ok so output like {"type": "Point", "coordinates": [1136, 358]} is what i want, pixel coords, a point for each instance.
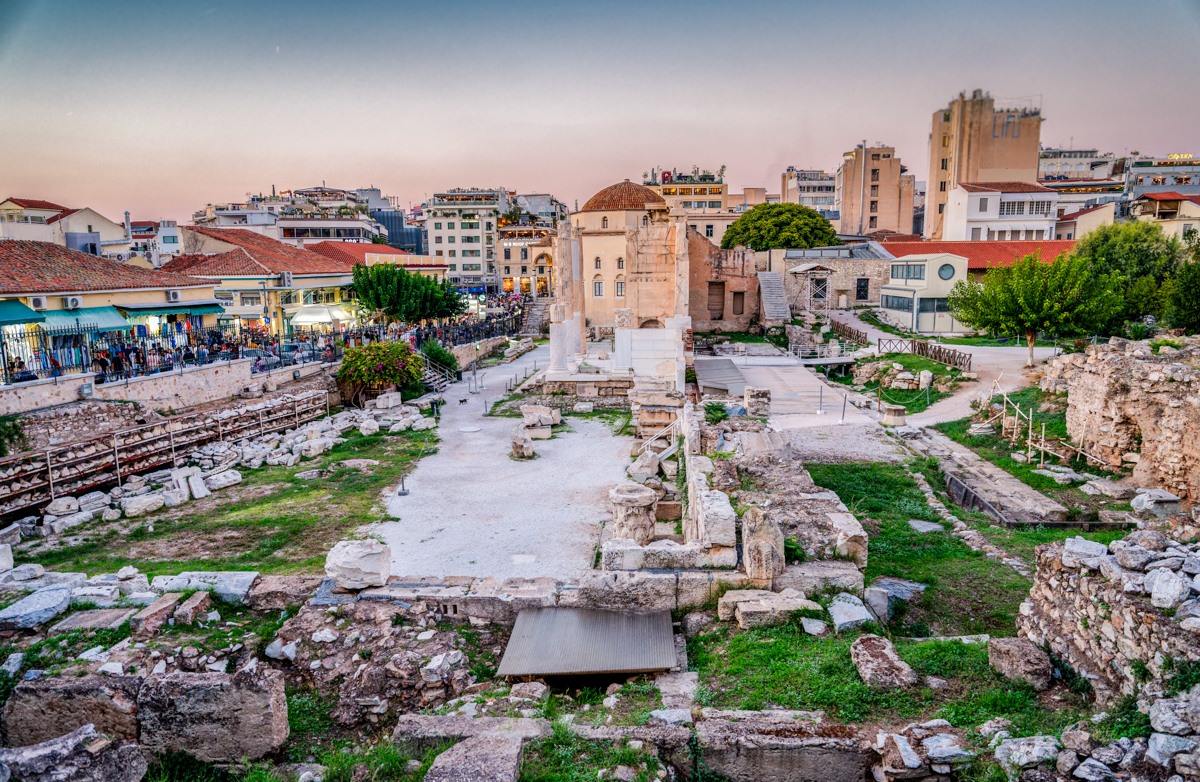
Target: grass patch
{"type": "Point", "coordinates": [270, 522]}
{"type": "Point", "coordinates": [913, 401]}
{"type": "Point", "coordinates": [967, 593]}
{"type": "Point", "coordinates": [565, 757]}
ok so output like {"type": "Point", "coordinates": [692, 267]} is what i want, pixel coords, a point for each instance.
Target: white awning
{"type": "Point", "coordinates": [312, 314]}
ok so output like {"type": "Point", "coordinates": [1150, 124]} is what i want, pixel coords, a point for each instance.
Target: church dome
{"type": "Point", "coordinates": [621, 197]}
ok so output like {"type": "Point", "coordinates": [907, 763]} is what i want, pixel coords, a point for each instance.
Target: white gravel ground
{"type": "Point", "coordinates": [851, 442]}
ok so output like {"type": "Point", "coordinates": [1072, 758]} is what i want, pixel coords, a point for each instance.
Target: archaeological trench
{"type": "Point", "coordinates": [722, 528]}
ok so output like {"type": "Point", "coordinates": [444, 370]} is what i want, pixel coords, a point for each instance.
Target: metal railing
{"type": "Point", "coordinates": [926, 349]}
{"type": "Point", "coordinates": [669, 431]}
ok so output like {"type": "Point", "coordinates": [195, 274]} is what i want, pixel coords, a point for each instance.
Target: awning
{"type": "Point", "coordinates": [13, 311]}
{"type": "Point", "coordinates": [311, 314]}
{"type": "Point", "coordinates": [90, 318]}
{"type": "Point", "coordinates": [182, 308]}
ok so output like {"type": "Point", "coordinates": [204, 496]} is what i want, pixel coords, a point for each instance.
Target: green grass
{"type": "Point", "coordinates": [278, 524]}
{"type": "Point", "coordinates": [871, 317]}
{"type": "Point", "coordinates": [57, 652]}
{"type": "Point", "coordinates": [967, 593]}
{"type": "Point", "coordinates": [565, 757]}
{"type": "Point", "coordinates": [784, 666]}
{"type": "Point", "coordinates": [913, 401]}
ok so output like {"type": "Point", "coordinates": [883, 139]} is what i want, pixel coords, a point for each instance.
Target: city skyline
{"type": "Point", "coordinates": [161, 110]}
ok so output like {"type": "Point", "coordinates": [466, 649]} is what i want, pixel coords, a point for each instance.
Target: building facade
{"type": "Point", "coordinates": [1175, 173]}
{"type": "Point", "coordinates": [874, 192]}
{"type": "Point", "coordinates": [1175, 213]}
{"type": "Point", "coordinates": [1000, 211]}
{"type": "Point", "coordinates": [1056, 163]}
{"type": "Point", "coordinates": [462, 229]}
{"type": "Point", "coordinates": [972, 140]}
{"type": "Point", "coordinates": [526, 259]}
{"type": "Point", "coordinates": [809, 187]}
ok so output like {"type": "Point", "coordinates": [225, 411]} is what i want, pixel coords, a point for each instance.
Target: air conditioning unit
{"type": "Point", "coordinates": [174, 297]}
{"type": "Point", "coordinates": [285, 279]}
{"type": "Point", "coordinates": [37, 302]}
{"type": "Point", "coordinates": [72, 302]}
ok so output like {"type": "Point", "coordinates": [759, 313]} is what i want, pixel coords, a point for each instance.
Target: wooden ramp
{"type": "Point", "coordinates": [580, 641]}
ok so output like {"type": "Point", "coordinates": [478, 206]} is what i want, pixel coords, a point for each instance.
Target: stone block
{"type": "Point", "coordinates": [879, 665]}
{"type": "Point", "coordinates": [1020, 660]}
{"type": "Point", "coordinates": [82, 755]}
{"type": "Point", "coordinates": [816, 576]}
{"type": "Point", "coordinates": [193, 608]}
{"type": "Point", "coordinates": [147, 621]}
{"type": "Point", "coordinates": [847, 612]}
{"type": "Point", "coordinates": [95, 619]}
{"type": "Point", "coordinates": [622, 591]}
{"type": "Point", "coordinates": [275, 593]}
{"type": "Point", "coordinates": [359, 564]}
{"type": "Point", "coordinates": [489, 757]}
{"type": "Point", "coordinates": [223, 480]}
{"type": "Point", "coordinates": [231, 586]}
{"type": "Point", "coordinates": [495, 601]}
{"type": "Point", "coordinates": [35, 609]}
{"type": "Point", "coordinates": [416, 733]}
{"type": "Point", "coordinates": [717, 519]}
{"type": "Point", "coordinates": [851, 538]}
{"type": "Point", "coordinates": [50, 706]}
{"type": "Point", "coordinates": [214, 717]}
{"type": "Point", "coordinates": [141, 504]}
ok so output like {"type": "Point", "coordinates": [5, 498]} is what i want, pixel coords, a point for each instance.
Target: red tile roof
{"type": "Point", "coordinates": [43, 267]}
{"type": "Point", "coordinates": [61, 215]}
{"type": "Point", "coordinates": [1003, 187]}
{"type": "Point", "coordinates": [983, 255]}
{"type": "Point", "coordinates": [1170, 195]}
{"type": "Point", "coordinates": [33, 203]}
{"type": "Point", "coordinates": [352, 252]}
{"type": "Point", "coordinates": [252, 254]}
{"type": "Point", "coordinates": [622, 196]}
{"type": "Point", "coordinates": [1073, 215]}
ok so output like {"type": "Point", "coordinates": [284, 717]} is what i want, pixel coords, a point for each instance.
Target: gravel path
{"type": "Point", "coordinates": [473, 511]}
{"type": "Point", "coordinates": [857, 442]}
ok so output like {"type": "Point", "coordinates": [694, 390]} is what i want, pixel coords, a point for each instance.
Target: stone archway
{"type": "Point", "coordinates": [651, 324]}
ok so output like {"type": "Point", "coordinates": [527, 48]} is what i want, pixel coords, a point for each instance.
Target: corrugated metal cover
{"type": "Point", "coordinates": [568, 641]}
{"type": "Point", "coordinates": [720, 373]}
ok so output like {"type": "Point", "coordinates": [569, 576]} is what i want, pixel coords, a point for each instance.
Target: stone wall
{"type": "Point", "coordinates": [1104, 621]}
{"type": "Point", "coordinates": [1128, 405]}
{"type": "Point", "coordinates": [80, 421]}
{"type": "Point", "coordinates": [735, 271]}
{"type": "Point", "coordinates": [843, 281]}
{"type": "Point", "coordinates": [476, 350]}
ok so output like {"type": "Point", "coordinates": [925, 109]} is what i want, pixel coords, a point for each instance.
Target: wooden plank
{"type": "Point", "coordinates": [571, 641]}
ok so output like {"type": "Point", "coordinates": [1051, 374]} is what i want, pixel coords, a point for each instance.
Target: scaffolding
{"type": "Point", "coordinates": [815, 290]}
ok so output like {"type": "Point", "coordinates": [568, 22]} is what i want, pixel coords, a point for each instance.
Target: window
{"type": "Point", "coordinates": [524, 270]}
{"type": "Point", "coordinates": [688, 204]}
{"type": "Point", "coordinates": [604, 222]}
{"type": "Point", "coordinates": [714, 204]}
{"type": "Point", "coordinates": [470, 253]}
{"type": "Point", "coordinates": [450, 226]}
{"type": "Point", "coordinates": [437, 240]}
{"type": "Point", "coordinates": [251, 300]}
{"type": "Point", "coordinates": [941, 208]}
{"type": "Point", "coordinates": [983, 204]}
{"type": "Point", "coordinates": [739, 302]}
{"type": "Point", "coordinates": [975, 232]}
{"type": "Point", "coordinates": [620, 287]}
{"type": "Point", "coordinates": [900, 303]}
{"type": "Point", "coordinates": [874, 174]}
{"type": "Point", "coordinates": [708, 231]}
{"type": "Point", "coordinates": [541, 270]}
{"type": "Point", "coordinates": [439, 252]}
{"type": "Point", "coordinates": [1009, 208]}
{"type": "Point", "coordinates": [437, 226]}
{"type": "Point", "coordinates": [645, 220]}
{"type": "Point", "coordinates": [945, 164]}
{"type": "Point", "coordinates": [472, 267]}
{"type": "Point", "coordinates": [598, 289]}
{"type": "Point", "coordinates": [170, 240]}
{"type": "Point", "coordinates": [1039, 235]}
{"type": "Point", "coordinates": [875, 156]}
{"type": "Point", "coordinates": [470, 225]}
{"type": "Point", "coordinates": [287, 297]}
{"type": "Point", "coordinates": [946, 271]}
{"type": "Point", "coordinates": [452, 253]}
{"type": "Point", "coordinates": [908, 271]}
{"type": "Point", "coordinates": [507, 254]}
{"type": "Point", "coordinates": [862, 288]}
{"type": "Point", "coordinates": [454, 267]}
{"type": "Point", "coordinates": [508, 270]}
{"type": "Point", "coordinates": [945, 141]}
{"type": "Point", "coordinates": [524, 253]}
{"type": "Point", "coordinates": [468, 239]}
{"type": "Point", "coordinates": [620, 263]}
{"type": "Point", "coordinates": [597, 264]}
{"type": "Point", "coordinates": [874, 206]}
{"type": "Point", "coordinates": [1039, 208]}
{"type": "Point", "coordinates": [942, 186]}
{"type": "Point", "coordinates": [874, 191]}
{"type": "Point", "coordinates": [873, 222]}
{"type": "Point", "coordinates": [934, 305]}
{"type": "Point", "coordinates": [450, 240]}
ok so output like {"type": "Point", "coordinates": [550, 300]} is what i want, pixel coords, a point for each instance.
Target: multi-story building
{"type": "Point", "coordinates": [808, 187]}
{"type": "Point", "coordinates": [1056, 163]}
{"type": "Point", "coordinates": [545, 208]}
{"type": "Point", "coordinates": [705, 198]}
{"type": "Point", "coordinates": [155, 241]}
{"type": "Point", "coordinates": [1176, 213]}
{"type": "Point", "coordinates": [355, 253]}
{"type": "Point", "coordinates": [1178, 172]}
{"type": "Point", "coordinates": [526, 262]}
{"type": "Point", "coordinates": [972, 140]}
{"type": "Point", "coordinates": [461, 226]}
{"type": "Point", "coordinates": [82, 229]}
{"type": "Point", "coordinates": [302, 217]}
{"type": "Point", "coordinates": [874, 192]}
{"type": "Point", "coordinates": [999, 211]}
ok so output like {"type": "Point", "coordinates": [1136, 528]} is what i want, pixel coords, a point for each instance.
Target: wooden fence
{"type": "Point", "coordinates": [849, 332]}
{"type": "Point", "coordinates": [930, 350]}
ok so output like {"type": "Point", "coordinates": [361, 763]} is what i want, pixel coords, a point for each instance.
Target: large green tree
{"type": "Point", "coordinates": [1143, 256]}
{"type": "Point", "coordinates": [1063, 297]}
{"type": "Point", "coordinates": [389, 292]}
{"type": "Point", "coordinates": [780, 226]}
{"type": "Point", "coordinates": [1183, 300]}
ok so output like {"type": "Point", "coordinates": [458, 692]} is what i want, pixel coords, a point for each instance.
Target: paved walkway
{"type": "Point", "coordinates": [987, 362]}
{"type": "Point", "coordinates": [796, 393]}
{"type": "Point", "coordinates": [472, 511]}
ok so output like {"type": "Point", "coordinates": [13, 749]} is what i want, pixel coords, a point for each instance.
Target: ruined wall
{"type": "Point", "coordinates": [731, 271]}
{"type": "Point", "coordinates": [1103, 625]}
{"type": "Point", "coordinates": [81, 421]}
{"type": "Point", "coordinates": [843, 281]}
{"type": "Point", "coordinates": [1126, 404]}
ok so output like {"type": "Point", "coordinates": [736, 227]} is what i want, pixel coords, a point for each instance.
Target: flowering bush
{"type": "Point", "coordinates": [375, 365]}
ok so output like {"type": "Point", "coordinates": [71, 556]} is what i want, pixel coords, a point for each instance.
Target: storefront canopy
{"type": "Point", "coordinates": [313, 314]}
{"type": "Point", "coordinates": [182, 308]}
{"type": "Point", "coordinates": [13, 311]}
{"type": "Point", "coordinates": [90, 318]}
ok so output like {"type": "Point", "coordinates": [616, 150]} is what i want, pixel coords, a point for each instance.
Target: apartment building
{"type": "Point", "coordinates": [874, 192]}
{"type": "Point", "coordinates": [1057, 163]}
{"type": "Point", "coordinates": [82, 229]}
{"type": "Point", "coordinates": [1176, 213]}
{"type": "Point", "coordinates": [1178, 172]}
{"type": "Point", "coordinates": [462, 229]}
{"type": "Point", "coordinates": [808, 187]}
{"type": "Point", "coordinates": [974, 140]}
{"type": "Point", "coordinates": [526, 259]}
{"type": "Point", "coordinates": [705, 198]}
{"type": "Point", "coordinates": [1000, 211]}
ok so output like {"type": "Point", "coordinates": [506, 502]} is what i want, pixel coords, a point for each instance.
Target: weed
{"type": "Point", "coordinates": [715, 413]}
{"type": "Point", "coordinates": [1123, 721]}
{"type": "Point", "coordinates": [792, 551]}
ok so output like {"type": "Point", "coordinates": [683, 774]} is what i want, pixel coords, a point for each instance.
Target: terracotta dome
{"type": "Point", "coordinates": [622, 196]}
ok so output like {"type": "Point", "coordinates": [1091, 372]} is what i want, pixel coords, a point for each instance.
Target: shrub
{"type": "Point", "coordinates": [715, 413]}
{"type": "Point", "coordinates": [11, 434]}
{"type": "Point", "coordinates": [1138, 330]}
{"type": "Point", "coordinates": [440, 356]}
{"type": "Point", "coordinates": [377, 364]}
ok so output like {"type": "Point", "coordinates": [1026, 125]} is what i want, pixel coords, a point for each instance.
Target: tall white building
{"type": "Point", "coordinates": [1000, 211]}
{"type": "Point", "coordinates": [461, 226]}
{"type": "Point", "coordinates": [814, 189]}
{"type": "Point", "coordinates": [1054, 163]}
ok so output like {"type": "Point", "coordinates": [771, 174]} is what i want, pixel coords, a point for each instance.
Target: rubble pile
{"type": "Point", "coordinates": [893, 375]}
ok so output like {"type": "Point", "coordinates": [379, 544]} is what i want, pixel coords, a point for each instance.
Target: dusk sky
{"type": "Point", "coordinates": [161, 107]}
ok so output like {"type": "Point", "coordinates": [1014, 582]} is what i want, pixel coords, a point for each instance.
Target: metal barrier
{"type": "Point", "coordinates": [926, 349]}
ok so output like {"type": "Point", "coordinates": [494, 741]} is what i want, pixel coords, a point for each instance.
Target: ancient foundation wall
{"type": "Point", "coordinates": [1098, 626]}
{"type": "Point", "coordinates": [1126, 404]}
{"type": "Point", "coordinates": [468, 353]}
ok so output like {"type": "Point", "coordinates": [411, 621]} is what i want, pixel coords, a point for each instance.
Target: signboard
{"type": "Point", "coordinates": [1180, 156]}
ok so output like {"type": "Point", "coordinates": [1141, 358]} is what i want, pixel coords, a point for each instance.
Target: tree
{"type": "Point", "coordinates": [1140, 253]}
{"type": "Point", "coordinates": [377, 365]}
{"type": "Point", "coordinates": [1183, 301]}
{"type": "Point", "coordinates": [1063, 297]}
{"type": "Point", "coordinates": [780, 226]}
{"type": "Point", "coordinates": [389, 292]}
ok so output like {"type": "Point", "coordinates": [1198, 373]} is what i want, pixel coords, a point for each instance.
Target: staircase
{"type": "Point", "coordinates": [434, 377]}
{"type": "Point", "coordinates": [536, 316]}
{"type": "Point", "coordinates": [773, 299]}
